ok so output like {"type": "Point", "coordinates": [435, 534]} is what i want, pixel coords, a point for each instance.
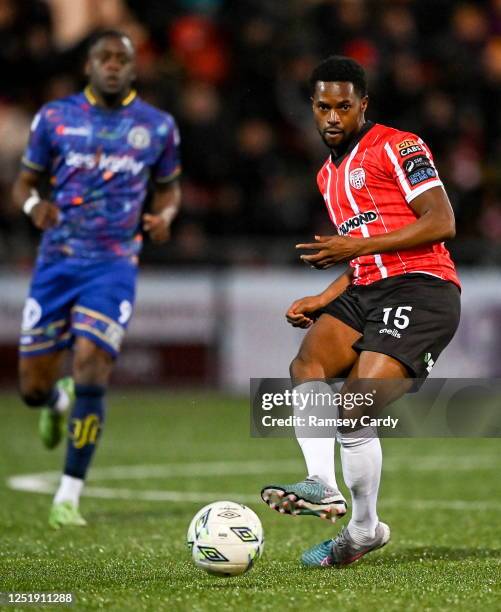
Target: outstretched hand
{"type": "Point", "coordinates": [330, 250]}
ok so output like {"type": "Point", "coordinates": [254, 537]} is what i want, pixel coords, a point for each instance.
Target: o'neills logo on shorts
{"type": "Point", "coordinates": [357, 221]}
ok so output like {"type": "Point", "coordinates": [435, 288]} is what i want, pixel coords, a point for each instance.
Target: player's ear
{"type": "Point", "coordinates": [87, 67]}
{"type": "Point", "coordinates": [365, 103]}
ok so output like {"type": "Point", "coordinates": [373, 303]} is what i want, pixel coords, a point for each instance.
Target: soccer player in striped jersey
{"type": "Point", "coordinates": [388, 316]}
{"type": "Point", "coordinates": [100, 148]}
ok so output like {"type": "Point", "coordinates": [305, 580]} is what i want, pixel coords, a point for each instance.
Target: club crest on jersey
{"type": "Point", "coordinates": [139, 137]}
{"type": "Point", "coordinates": [357, 178]}
{"type": "Point", "coordinates": [357, 221]}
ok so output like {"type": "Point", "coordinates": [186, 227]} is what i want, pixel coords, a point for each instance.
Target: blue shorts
{"type": "Point", "coordinates": [69, 299]}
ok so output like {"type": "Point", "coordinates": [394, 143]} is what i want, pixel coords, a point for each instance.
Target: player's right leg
{"type": "Point", "coordinates": [39, 388]}
{"type": "Point", "coordinates": [44, 338]}
{"type": "Point", "coordinates": [326, 352]}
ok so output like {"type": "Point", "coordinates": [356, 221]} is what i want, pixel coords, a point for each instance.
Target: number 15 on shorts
{"type": "Point", "coordinates": [400, 320]}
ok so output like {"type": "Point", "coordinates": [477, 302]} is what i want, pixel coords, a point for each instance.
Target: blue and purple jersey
{"type": "Point", "coordinates": [100, 162]}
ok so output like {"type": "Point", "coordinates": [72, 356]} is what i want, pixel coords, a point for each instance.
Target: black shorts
{"type": "Point", "coordinates": [411, 317]}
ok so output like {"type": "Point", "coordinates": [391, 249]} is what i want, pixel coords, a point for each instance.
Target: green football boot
{"type": "Point", "coordinates": [51, 422]}
{"type": "Point", "coordinates": [65, 514]}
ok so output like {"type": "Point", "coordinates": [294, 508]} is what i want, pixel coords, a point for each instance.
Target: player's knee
{"type": "Point", "coordinates": [91, 365]}
{"type": "Point", "coordinates": [304, 368]}
{"type": "Point", "coordinates": [34, 396]}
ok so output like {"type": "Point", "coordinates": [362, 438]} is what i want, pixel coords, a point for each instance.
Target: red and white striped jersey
{"type": "Point", "coordinates": [368, 191]}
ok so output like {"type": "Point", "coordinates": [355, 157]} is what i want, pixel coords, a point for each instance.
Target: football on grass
{"type": "Point", "coordinates": [225, 538]}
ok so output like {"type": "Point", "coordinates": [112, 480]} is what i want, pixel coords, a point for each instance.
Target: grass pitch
{"type": "Point", "coordinates": [441, 498]}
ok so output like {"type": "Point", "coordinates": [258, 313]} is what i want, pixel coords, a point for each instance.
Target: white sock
{"type": "Point", "coordinates": [362, 460]}
{"type": "Point", "coordinates": [62, 403]}
{"type": "Point", "coordinates": [319, 457]}
{"type": "Point", "coordinates": [318, 452]}
{"type": "Point", "coordinates": [69, 489]}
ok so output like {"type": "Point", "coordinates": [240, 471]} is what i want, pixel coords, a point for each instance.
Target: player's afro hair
{"type": "Point", "coordinates": [109, 33]}
{"type": "Point", "coordinates": [340, 68]}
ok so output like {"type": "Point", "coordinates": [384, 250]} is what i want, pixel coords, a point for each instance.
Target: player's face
{"type": "Point", "coordinates": [338, 111]}
{"type": "Point", "coordinates": [111, 66]}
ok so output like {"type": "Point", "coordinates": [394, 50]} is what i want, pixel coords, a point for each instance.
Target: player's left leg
{"type": "Point", "coordinates": [92, 368]}
{"type": "Point", "coordinates": [361, 459]}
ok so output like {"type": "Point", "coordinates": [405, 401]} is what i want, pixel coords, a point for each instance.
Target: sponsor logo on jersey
{"type": "Point", "coordinates": [357, 178]}
{"type": "Point", "coordinates": [107, 134]}
{"type": "Point", "coordinates": [410, 150]}
{"type": "Point", "coordinates": [112, 163]}
{"type": "Point", "coordinates": [357, 221]}
{"type": "Point", "coordinates": [68, 130]}
{"type": "Point", "coordinates": [420, 175]}
{"type": "Point", "coordinates": [420, 161]}
{"type": "Point", "coordinates": [406, 143]}
{"type": "Point", "coordinates": [139, 137]}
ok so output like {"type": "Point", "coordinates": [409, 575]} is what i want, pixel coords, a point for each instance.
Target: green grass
{"type": "Point", "coordinates": [133, 556]}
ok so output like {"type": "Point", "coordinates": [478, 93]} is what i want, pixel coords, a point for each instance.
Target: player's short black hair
{"type": "Point", "coordinates": [340, 68]}
{"type": "Point", "coordinates": [109, 33]}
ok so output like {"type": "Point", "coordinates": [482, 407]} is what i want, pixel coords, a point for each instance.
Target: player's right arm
{"type": "Point", "coordinates": [298, 312]}
{"type": "Point", "coordinates": [43, 213]}
{"type": "Point", "coordinates": [35, 163]}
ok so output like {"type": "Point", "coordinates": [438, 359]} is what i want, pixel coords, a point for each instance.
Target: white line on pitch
{"type": "Point", "coordinates": [42, 486]}
{"type": "Point", "coordinates": [45, 482]}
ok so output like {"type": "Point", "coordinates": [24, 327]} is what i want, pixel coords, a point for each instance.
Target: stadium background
{"type": "Point", "coordinates": [211, 302]}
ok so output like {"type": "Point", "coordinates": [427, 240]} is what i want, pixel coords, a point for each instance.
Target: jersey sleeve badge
{"type": "Point", "coordinates": [410, 162]}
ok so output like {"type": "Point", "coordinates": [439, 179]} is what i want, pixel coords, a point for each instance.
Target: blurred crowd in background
{"type": "Point", "coordinates": [234, 74]}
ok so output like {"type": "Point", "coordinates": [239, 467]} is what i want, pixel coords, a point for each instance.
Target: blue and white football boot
{"type": "Point", "coordinates": [311, 496]}
{"type": "Point", "coordinates": [342, 550]}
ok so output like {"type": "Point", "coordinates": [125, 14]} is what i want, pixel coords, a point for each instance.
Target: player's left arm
{"type": "Point", "coordinates": [167, 195]}
{"type": "Point", "coordinates": [435, 223]}
{"type": "Point", "coordinates": [164, 208]}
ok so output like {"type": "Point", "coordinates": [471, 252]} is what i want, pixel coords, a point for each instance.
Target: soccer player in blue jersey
{"type": "Point", "coordinates": [100, 149]}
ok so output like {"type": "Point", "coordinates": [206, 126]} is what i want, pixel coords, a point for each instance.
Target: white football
{"type": "Point", "coordinates": [225, 538]}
